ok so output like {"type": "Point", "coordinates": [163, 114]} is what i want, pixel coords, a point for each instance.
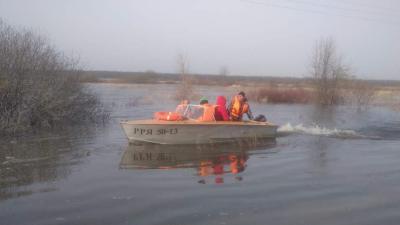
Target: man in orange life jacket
{"type": "Point", "coordinates": [238, 107]}
{"type": "Point", "coordinates": [208, 111]}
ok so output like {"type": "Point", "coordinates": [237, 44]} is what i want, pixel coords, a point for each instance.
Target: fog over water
{"type": "Point", "coordinates": [260, 37]}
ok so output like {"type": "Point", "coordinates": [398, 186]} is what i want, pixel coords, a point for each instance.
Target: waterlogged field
{"type": "Point", "coordinates": [328, 166]}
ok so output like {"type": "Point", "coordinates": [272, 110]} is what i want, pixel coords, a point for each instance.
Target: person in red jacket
{"type": "Point", "coordinates": [221, 113]}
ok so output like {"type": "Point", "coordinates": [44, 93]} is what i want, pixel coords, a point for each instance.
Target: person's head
{"type": "Point", "coordinates": [221, 100]}
{"type": "Point", "coordinates": [185, 102]}
{"type": "Point", "coordinates": [203, 101]}
{"type": "Point", "coordinates": [241, 96]}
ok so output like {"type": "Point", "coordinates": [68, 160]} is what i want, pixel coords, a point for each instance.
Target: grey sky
{"type": "Point", "coordinates": [252, 37]}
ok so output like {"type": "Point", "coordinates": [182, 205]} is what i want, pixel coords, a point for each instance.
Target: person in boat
{"type": "Point", "coordinates": [208, 111]}
{"type": "Point", "coordinates": [239, 106]}
{"type": "Point", "coordinates": [182, 107]}
{"type": "Point", "coordinates": [247, 109]}
{"type": "Point", "coordinates": [203, 101]}
{"type": "Point", "coordinates": [221, 113]}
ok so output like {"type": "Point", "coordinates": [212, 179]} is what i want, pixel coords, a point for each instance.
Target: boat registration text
{"type": "Point", "coordinates": [141, 131]}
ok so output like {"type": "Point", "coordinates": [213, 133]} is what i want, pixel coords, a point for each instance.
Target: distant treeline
{"type": "Point", "coordinates": [206, 79]}
{"type": "Point", "coordinates": [174, 78]}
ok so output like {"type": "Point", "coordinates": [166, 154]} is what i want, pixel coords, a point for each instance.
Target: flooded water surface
{"type": "Point", "coordinates": [328, 166]}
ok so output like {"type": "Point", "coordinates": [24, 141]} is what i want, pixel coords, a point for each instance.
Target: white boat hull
{"type": "Point", "coordinates": [189, 132]}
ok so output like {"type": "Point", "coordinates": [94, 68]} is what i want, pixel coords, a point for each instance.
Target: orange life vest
{"type": "Point", "coordinates": [238, 109]}
{"type": "Point", "coordinates": [170, 116]}
{"type": "Point", "coordinates": [208, 113]}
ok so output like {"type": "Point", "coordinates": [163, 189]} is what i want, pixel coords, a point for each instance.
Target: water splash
{"type": "Point", "coordinates": [316, 130]}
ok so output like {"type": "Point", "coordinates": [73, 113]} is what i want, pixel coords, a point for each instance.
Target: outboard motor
{"type": "Point", "coordinates": [260, 118]}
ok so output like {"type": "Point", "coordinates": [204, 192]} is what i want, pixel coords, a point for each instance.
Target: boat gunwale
{"type": "Point", "coordinates": [190, 122]}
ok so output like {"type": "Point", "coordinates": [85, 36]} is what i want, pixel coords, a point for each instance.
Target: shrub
{"type": "Point", "coordinates": [39, 85]}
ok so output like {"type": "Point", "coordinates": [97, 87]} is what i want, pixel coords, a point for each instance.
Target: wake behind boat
{"type": "Point", "coordinates": [194, 132]}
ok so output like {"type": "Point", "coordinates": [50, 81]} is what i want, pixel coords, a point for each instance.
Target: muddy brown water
{"type": "Point", "coordinates": [328, 166]}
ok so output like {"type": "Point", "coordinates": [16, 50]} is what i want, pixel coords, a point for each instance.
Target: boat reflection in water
{"type": "Point", "coordinates": [209, 160]}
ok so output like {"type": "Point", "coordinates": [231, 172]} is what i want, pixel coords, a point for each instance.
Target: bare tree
{"type": "Point", "coordinates": [328, 72]}
{"type": "Point", "coordinates": [224, 71]}
{"type": "Point", "coordinates": [39, 86]}
{"type": "Point", "coordinates": [185, 89]}
{"type": "Point", "coordinates": [222, 78]}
